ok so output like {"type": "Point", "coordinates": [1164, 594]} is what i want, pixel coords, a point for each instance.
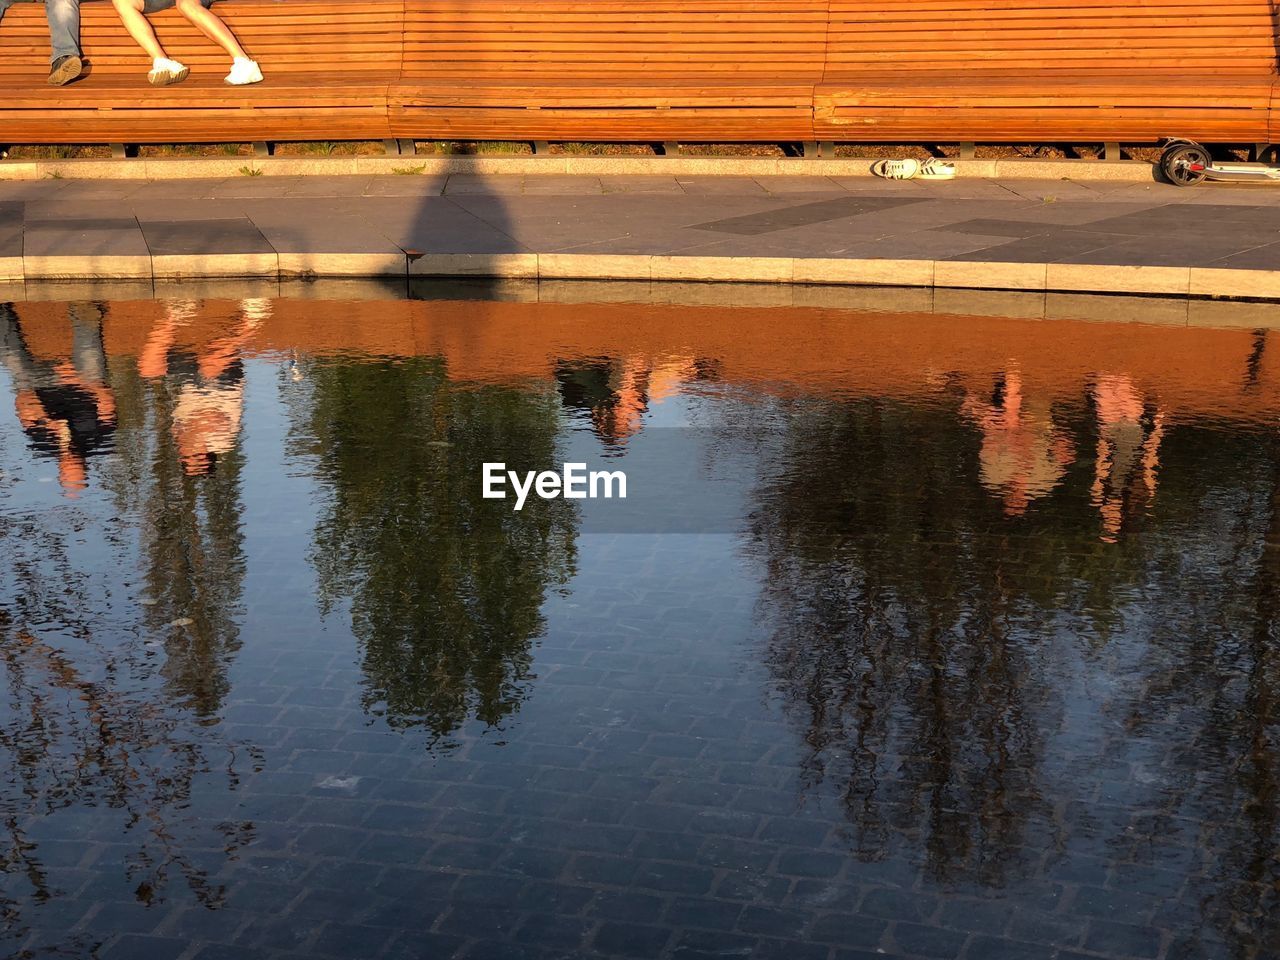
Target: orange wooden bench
{"type": "Point", "coordinates": [1044, 71]}
{"type": "Point", "coordinates": [328, 65]}
{"type": "Point", "coordinates": [610, 70]}
{"type": "Point", "coordinates": [1021, 71]}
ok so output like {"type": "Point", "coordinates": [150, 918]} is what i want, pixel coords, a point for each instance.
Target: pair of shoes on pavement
{"type": "Point", "coordinates": [64, 70]}
{"type": "Point", "coordinates": [165, 71]}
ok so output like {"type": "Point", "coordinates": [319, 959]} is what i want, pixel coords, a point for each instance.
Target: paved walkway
{"type": "Point", "coordinates": [1216, 240]}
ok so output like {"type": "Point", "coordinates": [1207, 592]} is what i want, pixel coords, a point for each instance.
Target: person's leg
{"type": "Point", "coordinates": [64, 27]}
{"type": "Point", "coordinates": [132, 14]}
{"type": "Point", "coordinates": [243, 70]}
{"type": "Point", "coordinates": [64, 38]}
{"type": "Point", "coordinates": [211, 25]}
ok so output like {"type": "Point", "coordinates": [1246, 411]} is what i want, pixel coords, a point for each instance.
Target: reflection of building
{"type": "Point", "coordinates": [1128, 455]}
{"type": "Point", "coordinates": [617, 394]}
{"type": "Point", "coordinates": [1023, 455]}
{"type": "Point", "coordinates": [60, 390]}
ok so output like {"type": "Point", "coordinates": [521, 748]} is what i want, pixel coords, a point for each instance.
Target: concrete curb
{"type": "Point", "coordinates": [1130, 171]}
{"type": "Point", "coordinates": [939, 274]}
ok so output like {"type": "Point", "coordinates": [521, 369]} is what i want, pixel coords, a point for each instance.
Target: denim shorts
{"type": "Point", "coordinates": [155, 6]}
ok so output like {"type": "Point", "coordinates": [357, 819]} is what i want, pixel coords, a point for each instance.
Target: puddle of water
{"type": "Point", "coordinates": [916, 635]}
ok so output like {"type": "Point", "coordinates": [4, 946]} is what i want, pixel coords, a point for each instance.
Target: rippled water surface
{"type": "Point", "coordinates": [917, 635]}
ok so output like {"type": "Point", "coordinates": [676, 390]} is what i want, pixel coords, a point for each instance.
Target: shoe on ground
{"type": "Point", "coordinates": [64, 70]}
{"type": "Point", "coordinates": [165, 71]}
{"type": "Point", "coordinates": [904, 169]}
{"type": "Point", "coordinates": [244, 72]}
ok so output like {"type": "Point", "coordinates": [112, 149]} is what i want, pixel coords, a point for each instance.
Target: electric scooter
{"type": "Point", "coordinates": [1186, 163]}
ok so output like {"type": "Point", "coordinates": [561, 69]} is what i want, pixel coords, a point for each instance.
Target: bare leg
{"type": "Point", "coordinates": [130, 12]}
{"type": "Point", "coordinates": [212, 27]}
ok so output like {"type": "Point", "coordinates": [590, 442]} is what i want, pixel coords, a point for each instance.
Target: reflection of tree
{"type": "Point", "coordinates": [956, 670]}
{"type": "Point", "coordinates": [82, 727]}
{"type": "Point", "coordinates": [446, 588]}
{"type": "Point", "coordinates": [898, 638]}
{"type": "Point", "coordinates": [1208, 683]}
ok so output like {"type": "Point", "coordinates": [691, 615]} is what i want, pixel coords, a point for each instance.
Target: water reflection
{"type": "Point", "coordinates": [1055, 699]}
{"type": "Point", "coordinates": [899, 638]}
{"type": "Point", "coordinates": [202, 381]}
{"type": "Point", "coordinates": [445, 588]}
{"type": "Point", "coordinates": [1129, 434]}
{"type": "Point", "coordinates": [616, 394]}
{"type": "Point", "coordinates": [1024, 453]}
{"type": "Point", "coordinates": [59, 388]}
{"type": "Point", "coordinates": [986, 665]}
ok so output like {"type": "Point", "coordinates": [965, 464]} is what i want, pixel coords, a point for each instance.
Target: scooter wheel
{"type": "Point", "coordinates": [1178, 164]}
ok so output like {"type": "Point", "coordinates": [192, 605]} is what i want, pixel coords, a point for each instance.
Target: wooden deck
{"type": "Point", "coordinates": [890, 71]}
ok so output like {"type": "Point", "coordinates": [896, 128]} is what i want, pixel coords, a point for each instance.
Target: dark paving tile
{"type": "Point", "coordinates": [1122, 939]}
{"type": "Point", "coordinates": [997, 228]}
{"type": "Point", "coordinates": [898, 904]}
{"type": "Point", "coordinates": [675, 878]}
{"type": "Point", "coordinates": [810, 863]}
{"type": "Point", "coordinates": [424, 946]}
{"type": "Point", "coordinates": [73, 236]}
{"type": "Point", "coordinates": [556, 932]}
{"type": "Point", "coordinates": [11, 215]}
{"type": "Point", "coordinates": [223, 951]}
{"type": "Point", "coordinates": [1197, 218]}
{"type": "Point", "coordinates": [118, 917]}
{"type": "Point", "coordinates": [349, 941]}
{"type": "Point", "coordinates": [771, 922]}
{"type": "Point", "coordinates": [1169, 250]}
{"type": "Point", "coordinates": [1264, 257]}
{"type": "Point", "coordinates": [990, 948]}
{"type": "Point", "coordinates": [178, 237]}
{"type": "Point", "coordinates": [803, 215]}
{"type": "Point", "coordinates": [629, 906]}
{"type": "Point", "coordinates": [703, 914]}
{"type": "Point", "coordinates": [134, 947]}
{"type": "Point", "coordinates": [505, 950]}
{"type": "Point", "coordinates": [849, 931]}
{"type": "Point", "coordinates": [1043, 247]}
{"type": "Point", "coordinates": [631, 939]}
{"type": "Point", "coordinates": [927, 941]}
{"type": "Point", "coordinates": [704, 945]}
{"type": "Point", "coordinates": [790, 949]}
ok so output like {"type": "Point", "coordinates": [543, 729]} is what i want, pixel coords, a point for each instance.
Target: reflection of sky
{"type": "Point", "coordinates": [280, 500]}
{"type": "Point", "coordinates": [679, 476]}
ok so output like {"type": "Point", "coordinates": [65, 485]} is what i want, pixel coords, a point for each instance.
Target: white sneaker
{"type": "Point", "coordinates": [165, 71]}
{"type": "Point", "coordinates": [904, 169]}
{"type": "Point", "coordinates": [244, 72]}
